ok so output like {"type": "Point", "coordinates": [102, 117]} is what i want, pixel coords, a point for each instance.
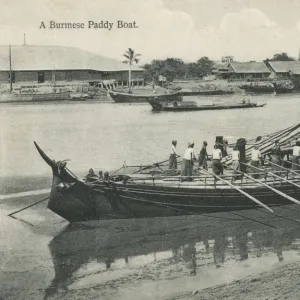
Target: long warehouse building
{"type": "Point", "coordinates": [43, 64]}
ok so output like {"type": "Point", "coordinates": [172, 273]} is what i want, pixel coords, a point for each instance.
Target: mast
{"type": "Point", "coordinates": [10, 73]}
{"type": "Point", "coordinates": [53, 79]}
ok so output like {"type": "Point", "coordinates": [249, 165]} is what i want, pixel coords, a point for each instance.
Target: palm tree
{"type": "Point", "coordinates": [131, 58]}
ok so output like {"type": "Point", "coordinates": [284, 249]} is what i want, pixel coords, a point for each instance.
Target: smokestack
{"type": "Point", "coordinates": [24, 42]}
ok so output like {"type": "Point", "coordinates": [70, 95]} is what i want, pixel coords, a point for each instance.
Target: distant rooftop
{"type": "Point", "coordinates": [249, 67]}
{"type": "Point", "coordinates": [283, 66]}
{"type": "Point", "coordinates": [27, 58]}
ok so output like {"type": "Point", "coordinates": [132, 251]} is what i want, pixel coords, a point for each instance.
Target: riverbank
{"type": "Point", "coordinates": [280, 283]}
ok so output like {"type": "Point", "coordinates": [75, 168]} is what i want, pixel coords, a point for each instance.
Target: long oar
{"type": "Point", "coordinates": [271, 188]}
{"type": "Point", "coordinates": [274, 175]}
{"type": "Point", "coordinates": [17, 211]}
{"type": "Point", "coordinates": [290, 171]}
{"type": "Point", "coordinates": [239, 190]}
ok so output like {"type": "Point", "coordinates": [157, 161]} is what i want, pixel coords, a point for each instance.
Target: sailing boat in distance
{"type": "Point", "coordinates": [14, 96]}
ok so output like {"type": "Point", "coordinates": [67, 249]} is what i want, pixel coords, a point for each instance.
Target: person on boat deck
{"type": "Point", "coordinates": [203, 156]}
{"type": "Point", "coordinates": [216, 160]}
{"type": "Point", "coordinates": [91, 175]}
{"type": "Point", "coordinates": [276, 157]}
{"type": "Point", "coordinates": [100, 175]}
{"type": "Point", "coordinates": [188, 161]}
{"type": "Point", "coordinates": [173, 156]}
{"type": "Point", "coordinates": [296, 157]}
{"type": "Point", "coordinates": [225, 145]}
{"type": "Point", "coordinates": [235, 156]}
{"type": "Point", "coordinates": [255, 158]}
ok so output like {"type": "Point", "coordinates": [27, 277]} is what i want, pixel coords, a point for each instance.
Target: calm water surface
{"type": "Point", "coordinates": [42, 257]}
{"type": "Point", "coordinates": [104, 135]}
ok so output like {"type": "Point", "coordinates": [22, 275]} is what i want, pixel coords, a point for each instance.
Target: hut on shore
{"type": "Point", "coordinates": [248, 71]}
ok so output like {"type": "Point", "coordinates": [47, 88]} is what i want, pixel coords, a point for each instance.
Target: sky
{"type": "Point", "coordinates": [186, 29]}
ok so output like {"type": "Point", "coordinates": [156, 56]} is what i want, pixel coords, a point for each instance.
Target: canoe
{"type": "Point", "coordinates": [192, 106]}
{"type": "Point", "coordinates": [119, 97]}
{"type": "Point", "coordinates": [35, 97]}
{"type": "Point", "coordinates": [149, 192]}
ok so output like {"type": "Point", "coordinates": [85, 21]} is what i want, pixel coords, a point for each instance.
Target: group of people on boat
{"type": "Point", "coordinates": [92, 176]}
{"type": "Point", "coordinates": [238, 157]}
{"type": "Point", "coordinates": [189, 158]}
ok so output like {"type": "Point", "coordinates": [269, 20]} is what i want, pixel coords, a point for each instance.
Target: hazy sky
{"type": "Point", "coordinates": [189, 29]}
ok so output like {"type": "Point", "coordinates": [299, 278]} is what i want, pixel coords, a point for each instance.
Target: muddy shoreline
{"type": "Point", "coordinates": [281, 283]}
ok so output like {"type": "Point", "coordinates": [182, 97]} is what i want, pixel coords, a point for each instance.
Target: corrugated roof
{"type": "Point", "coordinates": [26, 58]}
{"type": "Point", "coordinates": [283, 66]}
{"type": "Point", "coordinates": [220, 66]}
{"type": "Point", "coordinates": [249, 67]}
{"type": "Point", "coordinates": [295, 69]}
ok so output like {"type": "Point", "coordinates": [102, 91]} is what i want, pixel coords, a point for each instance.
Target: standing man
{"type": "Point", "coordinates": [188, 161]}
{"type": "Point", "coordinates": [255, 157]}
{"type": "Point", "coordinates": [216, 160]}
{"type": "Point", "coordinates": [276, 157]}
{"type": "Point", "coordinates": [296, 157]}
{"type": "Point", "coordinates": [173, 156]}
{"type": "Point", "coordinates": [235, 155]}
{"type": "Point", "coordinates": [203, 156]}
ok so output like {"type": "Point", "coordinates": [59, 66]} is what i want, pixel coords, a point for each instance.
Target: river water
{"type": "Point", "coordinates": [42, 257]}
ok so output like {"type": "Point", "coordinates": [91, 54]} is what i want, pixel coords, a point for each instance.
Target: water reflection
{"type": "Point", "coordinates": [82, 252]}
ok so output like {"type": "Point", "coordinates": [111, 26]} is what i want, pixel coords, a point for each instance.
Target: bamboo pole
{"type": "Point", "coordinates": [241, 191]}
{"type": "Point", "coordinates": [271, 188]}
{"type": "Point", "coordinates": [266, 145]}
{"type": "Point", "coordinates": [17, 211]}
{"type": "Point", "coordinates": [275, 175]}
{"type": "Point", "coordinates": [293, 172]}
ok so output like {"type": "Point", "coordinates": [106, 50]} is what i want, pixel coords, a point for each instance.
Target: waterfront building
{"type": "Point", "coordinates": [248, 71]}
{"type": "Point", "coordinates": [283, 69]}
{"type": "Point", "coordinates": [44, 64]}
{"type": "Point", "coordinates": [220, 70]}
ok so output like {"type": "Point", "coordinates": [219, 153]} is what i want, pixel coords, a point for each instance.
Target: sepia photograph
{"type": "Point", "coordinates": [150, 150]}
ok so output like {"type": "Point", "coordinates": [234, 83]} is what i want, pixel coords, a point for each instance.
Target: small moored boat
{"type": "Point", "coordinates": [192, 106]}
{"type": "Point", "coordinates": [120, 97]}
{"type": "Point", "coordinates": [202, 92]}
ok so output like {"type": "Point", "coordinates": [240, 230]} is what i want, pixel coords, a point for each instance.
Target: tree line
{"type": "Point", "coordinates": [176, 68]}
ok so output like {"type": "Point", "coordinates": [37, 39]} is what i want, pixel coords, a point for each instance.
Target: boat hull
{"type": "Point", "coordinates": [77, 201]}
{"type": "Point", "coordinates": [156, 106]}
{"type": "Point", "coordinates": [105, 201]}
{"type": "Point", "coordinates": [11, 97]}
{"type": "Point", "coordinates": [132, 98]}
{"type": "Point", "coordinates": [206, 93]}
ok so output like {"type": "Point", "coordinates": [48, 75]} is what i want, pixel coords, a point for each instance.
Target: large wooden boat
{"type": "Point", "coordinates": [283, 88]}
{"type": "Point", "coordinates": [192, 106]}
{"type": "Point", "coordinates": [10, 97]}
{"type": "Point", "coordinates": [151, 191]}
{"type": "Point", "coordinates": [33, 97]}
{"type": "Point", "coordinates": [276, 88]}
{"type": "Point", "coordinates": [120, 97]}
{"type": "Point", "coordinates": [258, 89]}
